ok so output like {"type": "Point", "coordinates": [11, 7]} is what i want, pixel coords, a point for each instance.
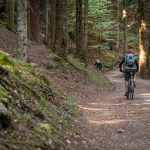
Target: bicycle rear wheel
{"type": "Point", "coordinates": [130, 90]}
{"type": "Point", "coordinates": [131, 95]}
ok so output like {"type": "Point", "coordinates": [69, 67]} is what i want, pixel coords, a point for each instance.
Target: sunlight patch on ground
{"type": "Point", "coordinates": [144, 97]}
{"type": "Point", "coordinates": [107, 122]}
{"type": "Point", "coordinates": [146, 94]}
{"type": "Point", "coordinates": [93, 109]}
{"type": "Point", "coordinates": [117, 104]}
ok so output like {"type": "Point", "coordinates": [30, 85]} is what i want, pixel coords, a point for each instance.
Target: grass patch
{"type": "Point", "coordinates": [55, 57]}
{"type": "Point", "coordinates": [5, 60]}
{"type": "Point", "coordinates": [3, 93]}
{"type": "Point", "coordinates": [47, 127]}
{"type": "Point", "coordinates": [25, 117]}
{"type": "Point", "coordinates": [86, 71]}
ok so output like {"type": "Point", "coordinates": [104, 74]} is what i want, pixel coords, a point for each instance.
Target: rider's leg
{"type": "Point", "coordinates": [126, 85]}
{"type": "Point", "coordinates": [134, 79]}
{"type": "Point", "coordinates": [126, 76]}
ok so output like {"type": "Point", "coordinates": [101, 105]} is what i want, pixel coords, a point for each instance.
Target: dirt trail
{"type": "Point", "coordinates": [111, 121]}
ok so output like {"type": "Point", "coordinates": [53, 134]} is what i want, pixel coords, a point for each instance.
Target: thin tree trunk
{"type": "Point", "coordinates": [52, 24]}
{"type": "Point", "coordinates": [60, 44]}
{"type": "Point", "coordinates": [125, 25]}
{"type": "Point", "coordinates": [11, 13]}
{"type": "Point", "coordinates": [34, 21]}
{"type": "Point", "coordinates": [85, 28]}
{"type": "Point", "coordinates": [118, 27]}
{"type": "Point", "coordinates": [47, 7]}
{"type": "Point", "coordinates": [22, 30]}
{"type": "Point", "coordinates": [79, 28]}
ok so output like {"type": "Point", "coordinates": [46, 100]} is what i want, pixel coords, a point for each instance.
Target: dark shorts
{"type": "Point", "coordinates": [127, 75]}
{"type": "Point", "coordinates": [99, 65]}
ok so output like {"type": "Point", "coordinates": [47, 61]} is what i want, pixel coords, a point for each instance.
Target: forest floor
{"type": "Point", "coordinates": [108, 121]}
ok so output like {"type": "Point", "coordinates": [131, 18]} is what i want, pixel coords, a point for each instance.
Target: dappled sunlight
{"type": "Point", "coordinates": [107, 104]}
{"type": "Point", "coordinates": [91, 109]}
{"type": "Point", "coordinates": [108, 122]}
{"type": "Point", "coordinates": [145, 94]}
{"type": "Point", "coordinates": [145, 97]}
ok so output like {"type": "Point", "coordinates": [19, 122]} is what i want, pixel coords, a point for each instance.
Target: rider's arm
{"type": "Point", "coordinates": [122, 61]}
{"type": "Point", "coordinates": [137, 65]}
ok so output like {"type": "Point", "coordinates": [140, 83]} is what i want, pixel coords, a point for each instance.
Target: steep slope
{"type": "Point", "coordinates": [32, 113]}
{"type": "Point", "coordinates": [42, 116]}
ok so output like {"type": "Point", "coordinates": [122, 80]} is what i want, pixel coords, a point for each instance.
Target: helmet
{"type": "Point", "coordinates": [130, 51]}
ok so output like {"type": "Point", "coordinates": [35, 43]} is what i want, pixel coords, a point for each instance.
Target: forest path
{"type": "Point", "coordinates": [111, 121]}
{"type": "Point", "coordinates": [108, 120]}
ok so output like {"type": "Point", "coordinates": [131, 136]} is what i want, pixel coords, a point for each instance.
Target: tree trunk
{"type": "Point", "coordinates": [118, 27]}
{"type": "Point", "coordinates": [79, 28]}
{"type": "Point", "coordinates": [34, 21]}
{"type": "Point", "coordinates": [60, 44]}
{"type": "Point", "coordinates": [47, 22]}
{"type": "Point", "coordinates": [125, 25]}
{"type": "Point", "coordinates": [52, 24]}
{"type": "Point", "coordinates": [85, 29]}
{"type": "Point", "coordinates": [11, 13]}
{"type": "Point", "coordinates": [144, 41]}
{"type": "Point", "coordinates": [22, 30]}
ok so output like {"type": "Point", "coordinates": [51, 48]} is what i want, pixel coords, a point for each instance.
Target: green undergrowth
{"type": "Point", "coordinates": [108, 58]}
{"type": "Point", "coordinates": [41, 114]}
{"type": "Point", "coordinates": [81, 66]}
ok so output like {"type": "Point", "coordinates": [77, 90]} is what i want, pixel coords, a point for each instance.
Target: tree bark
{"type": "Point", "coordinates": [47, 22]}
{"type": "Point", "coordinates": [11, 13]}
{"type": "Point", "coordinates": [60, 44]}
{"type": "Point", "coordinates": [34, 21]}
{"type": "Point", "coordinates": [125, 25]}
{"type": "Point", "coordinates": [22, 30]}
{"type": "Point", "coordinates": [118, 27]}
{"type": "Point", "coordinates": [52, 24]}
{"type": "Point", "coordinates": [79, 28]}
{"type": "Point", "coordinates": [85, 29]}
{"type": "Point", "coordinates": [144, 38]}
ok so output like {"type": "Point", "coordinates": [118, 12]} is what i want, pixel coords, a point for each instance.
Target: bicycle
{"type": "Point", "coordinates": [131, 86]}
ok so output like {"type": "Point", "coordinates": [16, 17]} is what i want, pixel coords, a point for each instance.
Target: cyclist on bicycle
{"type": "Point", "coordinates": [98, 64]}
{"type": "Point", "coordinates": [127, 74]}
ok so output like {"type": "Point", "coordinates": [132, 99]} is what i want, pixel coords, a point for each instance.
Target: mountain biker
{"type": "Point", "coordinates": [98, 64]}
{"type": "Point", "coordinates": [127, 73]}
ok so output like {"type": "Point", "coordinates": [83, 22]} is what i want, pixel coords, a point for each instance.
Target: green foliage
{"type": "Point", "coordinates": [5, 60]}
{"type": "Point", "coordinates": [55, 57]}
{"type": "Point", "coordinates": [100, 12]}
{"type": "Point", "coordinates": [25, 117]}
{"type": "Point", "coordinates": [44, 79]}
{"type": "Point", "coordinates": [18, 73]}
{"type": "Point", "coordinates": [132, 40]}
{"type": "Point", "coordinates": [103, 46]}
{"type": "Point", "coordinates": [108, 59]}
{"type": "Point", "coordinates": [42, 103]}
{"type": "Point", "coordinates": [88, 72]}
{"type": "Point", "coordinates": [47, 127]}
{"type": "Point", "coordinates": [3, 93]}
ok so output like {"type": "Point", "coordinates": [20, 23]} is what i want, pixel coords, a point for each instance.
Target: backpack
{"type": "Point", "coordinates": [129, 60]}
